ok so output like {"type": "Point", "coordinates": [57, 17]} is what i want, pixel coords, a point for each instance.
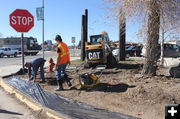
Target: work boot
{"type": "Point", "coordinates": [67, 80]}
{"type": "Point", "coordinates": [69, 83]}
{"type": "Point", "coordinates": [42, 81]}
{"type": "Point", "coordinates": [60, 87]}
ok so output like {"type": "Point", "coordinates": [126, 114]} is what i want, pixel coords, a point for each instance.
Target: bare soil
{"type": "Point", "coordinates": [122, 89]}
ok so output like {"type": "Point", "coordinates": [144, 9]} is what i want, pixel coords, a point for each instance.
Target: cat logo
{"type": "Point", "coordinates": [94, 55]}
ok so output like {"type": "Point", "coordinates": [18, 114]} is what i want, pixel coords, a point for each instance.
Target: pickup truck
{"type": "Point", "coordinates": [8, 52]}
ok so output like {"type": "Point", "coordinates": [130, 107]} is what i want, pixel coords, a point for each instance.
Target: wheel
{"type": "Point", "coordinates": [36, 53]}
{"type": "Point", "coordinates": [15, 54]}
{"type": "Point", "coordinates": [111, 60]}
{"type": "Point", "coordinates": [8, 56]}
{"type": "Point", "coordinates": [1, 55]}
{"type": "Point", "coordinates": [86, 65]}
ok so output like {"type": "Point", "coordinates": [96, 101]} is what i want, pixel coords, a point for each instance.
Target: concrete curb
{"type": "Point", "coordinates": [30, 102]}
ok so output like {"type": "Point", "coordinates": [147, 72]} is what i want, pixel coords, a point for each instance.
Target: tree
{"type": "Point", "coordinates": [149, 11]}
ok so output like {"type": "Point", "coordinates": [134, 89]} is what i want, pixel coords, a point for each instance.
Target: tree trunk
{"type": "Point", "coordinates": [162, 48]}
{"type": "Point", "coordinates": [151, 56]}
{"type": "Point", "coordinates": [162, 40]}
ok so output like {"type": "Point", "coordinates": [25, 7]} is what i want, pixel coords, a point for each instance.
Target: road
{"type": "Point", "coordinates": [18, 60]}
{"type": "Point", "coordinates": [7, 65]}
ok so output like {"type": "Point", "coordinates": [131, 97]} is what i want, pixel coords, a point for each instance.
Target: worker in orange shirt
{"type": "Point", "coordinates": [63, 59]}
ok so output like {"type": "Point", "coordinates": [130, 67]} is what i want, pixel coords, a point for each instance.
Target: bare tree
{"type": "Point", "coordinates": [149, 11]}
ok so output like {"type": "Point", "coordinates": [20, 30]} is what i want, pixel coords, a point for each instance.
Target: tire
{"type": "Point", "coordinates": [15, 54]}
{"type": "Point", "coordinates": [86, 65]}
{"type": "Point", "coordinates": [36, 53]}
{"type": "Point", "coordinates": [1, 55]}
{"type": "Point", "coordinates": [111, 61]}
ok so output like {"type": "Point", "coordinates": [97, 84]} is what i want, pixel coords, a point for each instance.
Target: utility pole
{"type": "Point", "coordinates": [86, 25]}
{"type": "Point", "coordinates": [83, 38]}
{"type": "Point", "coordinates": [84, 34]}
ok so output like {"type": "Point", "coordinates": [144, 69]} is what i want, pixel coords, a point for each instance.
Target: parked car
{"type": "Point", "coordinates": [130, 51]}
{"type": "Point", "coordinates": [170, 50]}
{"type": "Point", "coordinates": [133, 51]}
{"type": "Point", "coordinates": [8, 52]}
{"type": "Point", "coordinates": [18, 50]}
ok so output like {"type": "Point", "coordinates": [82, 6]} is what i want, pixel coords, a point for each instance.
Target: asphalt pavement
{"type": "Point", "coordinates": [13, 64]}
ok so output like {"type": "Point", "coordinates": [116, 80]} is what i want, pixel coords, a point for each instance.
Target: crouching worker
{"type": "Point", "coordinates": [34, 66]}
{"type": "Point", "coordinates": [63, 59]}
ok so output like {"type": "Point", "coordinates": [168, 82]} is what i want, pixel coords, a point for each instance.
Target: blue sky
{"type": "Point", "coordinates": [63, 17]}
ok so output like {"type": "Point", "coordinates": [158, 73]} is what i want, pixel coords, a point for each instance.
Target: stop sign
{"type": "Point", "coordinates": [21, 20]}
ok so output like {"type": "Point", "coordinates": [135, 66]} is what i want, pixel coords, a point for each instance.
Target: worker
{"type": "Point", "coordinates": [34, 66]}
{"type": "Point", "coordinates": [62, 60]}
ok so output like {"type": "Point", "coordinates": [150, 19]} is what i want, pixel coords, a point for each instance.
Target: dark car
{"type": "Point", "coordinates": [171, 50]}
{"type": "Point", "coordinates": [133, 51]}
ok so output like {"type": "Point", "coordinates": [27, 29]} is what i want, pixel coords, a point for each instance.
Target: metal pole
{"type": "Point", "coordinates": [22, 51]}
{"type": "Point", "coordinates": [43, 28]}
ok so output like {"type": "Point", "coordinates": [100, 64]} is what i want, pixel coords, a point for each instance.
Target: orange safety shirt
{"type": "Point", "coordinates": [65, 57]}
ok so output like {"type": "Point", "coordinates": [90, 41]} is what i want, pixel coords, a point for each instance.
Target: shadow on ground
{"type": "Point", "coordinates": [105, 87]}
{"type": "Point", "coordinates": [9, 112]}
{"type": "Point", "coordinates": [128, 66]}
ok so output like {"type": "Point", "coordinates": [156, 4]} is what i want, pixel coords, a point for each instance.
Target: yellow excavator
{"type": "Point", "coordinates": [99, 51]}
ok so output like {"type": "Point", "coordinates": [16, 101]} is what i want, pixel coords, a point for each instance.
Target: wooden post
{"type": "Point", "coordinates": [122, 36]}
{"type": "Point", "coordinates": [83, 38]}
{"type": "Point", "coordinates": [86, 25]}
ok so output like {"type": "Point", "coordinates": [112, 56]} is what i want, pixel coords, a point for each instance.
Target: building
{"type": "Point", "coordinates": [1, 42]}
{"type": "Point", "coordinates": [15, 42]}
{"type": "Point", "coordinates": [49, 42]}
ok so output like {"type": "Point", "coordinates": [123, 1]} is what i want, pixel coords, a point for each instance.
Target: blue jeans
{"type": "Point", "coordinates": [61, 71]}
{"type": "Point", "coordinates": [41, 72]}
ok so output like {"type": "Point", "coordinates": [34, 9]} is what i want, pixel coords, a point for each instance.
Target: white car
{"type": "Point", "coordinates": [170, 50]}
{"type": "Point", "coordinates": [8, 52]}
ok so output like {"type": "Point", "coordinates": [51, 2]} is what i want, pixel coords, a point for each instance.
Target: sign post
{"type": "Point", "coordinates": [22, 50]}
{"type": "Point", "coordinates": [74, 41]}
{"type": "Point", "coordinates": [40, 16]}
{"type": "Point", "coordinates": [22, 21]}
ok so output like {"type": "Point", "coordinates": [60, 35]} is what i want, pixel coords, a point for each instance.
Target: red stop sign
{"type": "Point", "coordinates": [21, 20]}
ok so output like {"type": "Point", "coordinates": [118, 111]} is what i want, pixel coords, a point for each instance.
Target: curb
{"type": "Point", "coordinates": [30, 102]}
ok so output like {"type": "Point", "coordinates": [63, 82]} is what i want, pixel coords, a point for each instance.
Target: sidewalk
{"type": "Point", "coordinates": [11, 69]}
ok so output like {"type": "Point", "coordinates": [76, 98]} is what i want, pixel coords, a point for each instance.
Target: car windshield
{"type": "Point", "coordinates": [127, 47]}
{"type": "Point", "coordinates": [176, 46]}
{"type": "Point", "coordinates": [130, 48]}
